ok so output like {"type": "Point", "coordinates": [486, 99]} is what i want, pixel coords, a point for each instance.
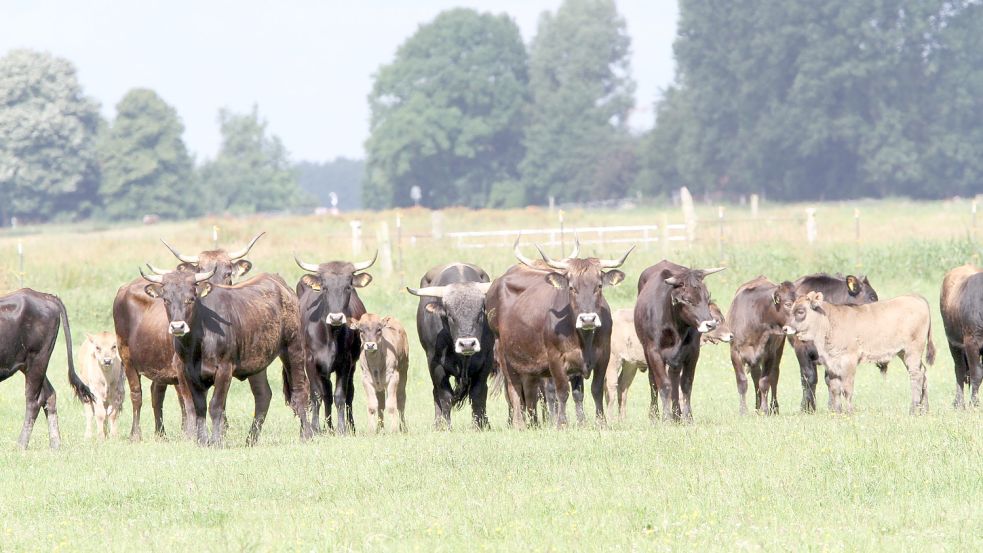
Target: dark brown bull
{"type": "Point", "coordinates": [552, 321]}
{"type": "Point", "coordinates": [757, 318]}
{"type": "Point", "coordinates": [672, 311]}
{"type": "Point", "coordinates": [147, 349]}
{"type": "Point", "coordinates": [962, 316]}
{"type": "Point", "coordinates": [328, 300]}
{"type": "Point", "coordinates": [29, 325]}
{"type": "Point", "coordinates": [221, 332]}
{"type": "Point", "coordinates": [836, 289]}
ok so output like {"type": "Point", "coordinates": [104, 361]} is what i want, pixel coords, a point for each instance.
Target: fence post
{"type": "Point", "coordinates": [437, 224]}
{"type": "Point", "coordinates": [356, 237]}
{"type": "Point", "coordinates": [811, 225]}
{"type": "Point", "coordinates": [754, 205]}
{"type": "Point", "coordinates": [973, 227]}
{"type": "Point", "coordinates": [215, 236]}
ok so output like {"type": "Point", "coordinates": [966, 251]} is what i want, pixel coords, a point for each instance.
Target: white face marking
{"type": "Point", "coordinates": [336, 319]}
{"type": "Point", "coordinates": [179, 328]}
{"type": "Point", "coordinates": [588, 321]}
{"type": "Point", "coordinates": [707, 326]}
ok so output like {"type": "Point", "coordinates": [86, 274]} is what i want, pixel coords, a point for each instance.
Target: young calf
{"type": "Point", "coordinates": [845, 335]}
{"type": "Point", "coordinates": [384, 361]}
{"type": "Point", "coordinates": [102, 371]}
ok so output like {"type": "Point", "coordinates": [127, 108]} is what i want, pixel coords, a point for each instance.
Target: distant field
{"type": "Point", "coordinates": [878, 479]}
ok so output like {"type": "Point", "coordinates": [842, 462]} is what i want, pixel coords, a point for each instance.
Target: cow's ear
{"type": "Point", "coordinates": [777, 298]}
{"type": "Point", "coordinates": [204, 289]}
{"type": "Point", "coordinates": [613, 278]}
{"type": "Point", "coordinates": [311, 282]}
{"type": "Point", "coordinates": [154, 290]}
{"type": "Point", "coordinates": [188, 267]}
{"type": "Point", "coordinates": [361, 280]}
{"type": "Point", "coordinates": [353, 324]}
{"type": "Point", "coordinates": [435, 308]}
{"type": "Point", "coordinates": [386, 321]}
{"type": "Point", "coordinates": [89, 337]}
{"type": "Point", "coordinates": [241, 267]}
{"type": "Point", "coordinates": [673, 281]}
{"type": "Point", "coordinates": [816, 300]}
{"type": "Point", "coordinates": [852, 285]}
{"type": "Point", "coordinates": [557, 280]}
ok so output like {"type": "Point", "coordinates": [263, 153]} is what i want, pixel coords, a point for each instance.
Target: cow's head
{"type": "Point", "coordinates": [722, 331]}
{"type": "Point", "coordinates": [859, 291]}
{"type": "Point", "coordinates": [227, 265]}
{"type": "Point", "coordinates": [690, 298]}
{"type": "Point", "coordinates": [462, 305]}
{"type": "Point", "coordinates": [782, 301]}
{"type": "Point", "coordinates": [583, 280]}
{"type": "Point", "coordinates": [334, 281]}
{"type": "Point", "coordinates": [369, 327]}
{"type": "Point", "coordinates": [180, 292]}
{"type": "Point", "coordinates": [808, 317]}
{"type": "Point", "coordinates": [104, 350]}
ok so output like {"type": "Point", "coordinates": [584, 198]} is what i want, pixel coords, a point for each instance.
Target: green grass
{"type": "Point", "coordinates": [878, 479]}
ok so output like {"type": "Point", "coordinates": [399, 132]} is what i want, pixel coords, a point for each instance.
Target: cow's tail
{"type": "Point", "coordinates": [286, 385]}
{"type": "Point", "coordinates": [462, 389]}
{"type": "Point", "coordinates": [81, 390]}
{"type": "Point", "coordinates": [930, 350]}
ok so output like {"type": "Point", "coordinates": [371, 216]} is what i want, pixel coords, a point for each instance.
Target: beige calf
{"type": "Point", "coordinates": [846, 335]}
{"type": "Point", "coordinates": [101, 370]}
{"type": "Point", "coordinates": [384, 360]}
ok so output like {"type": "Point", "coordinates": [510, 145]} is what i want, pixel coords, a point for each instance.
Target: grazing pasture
{"type": "Point", "coordinates": [876, 479]}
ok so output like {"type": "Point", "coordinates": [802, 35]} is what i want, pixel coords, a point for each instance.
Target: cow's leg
{"type": "Point", "coordinates": [401, 401]}
{"type": "Point", "coordinates": [611, 375]}
{"type": "Point", "coordinates": [530, 392]}
{"type": "Point", "coordinates": [392, 420]}
{"type": "Point", "coordinates": [33, 382]}
{"type": "Point", "coordinates": [293, 357]}
{"type": "Point", "coordinates": [659, 384]}
{"type": "Point", "coordinates": [686, 388]}
{"type": "Point", "coordinates": [216, 407]}
{"type": "Point", "coordinates": [350, 397]}
{"type": "Point", "coordinates": [157, 392]}
{"type": "Point", "coordinates": [187, 406]}
{"type": "Point", "coordinates": [675, 376]}
{"type": "Point", "coordinates": [48, 402]}
{"type": "Point", "coordinates": [760, 379]}
{"type": "Point", "coordinates": [478, 394]}
{"type": "Point", "coordinates": [317, 394]}
{"type": "Point", "coordinates": [100, 416]}
{"type": "Point", "coordinates": [961, 366]}
{"type": "Point", "coordinates": [807, 370]}
{"type": "Point", "coordinates": [136, 400]}
{"type": "Point", "coordinates": [114, 420]}
{"type": "Point", "coordinates": [773, 368]}
{"type": "Point", "coordinates": [89, 410]}
{"type": "Point", "coordinates": [625, 379]}
{"type": "Point", "coordinates": [514, 392]}
{"type": "Point", "coordinates": [597, 393]}
{"type": "Point", "coordinates": [262, 396]}
{"type": "Point", "coordinates": [740, 374]}
{"type": "Point", "coordinates": [577, 389]}
{"type": "Point", "coordinates": [835, 383]}
{"type": "Point", "coordinates": [443, 397]}
{"type": "Point", "coordinates": [199, 396]}
{"type": "Point", "coordinates": [562, 383]}
{"type": "Point", "coordinates": [974, 367]}
{"type": "Point", "coordinates": [846, 389]}
{"type": "Point", "coordinates": [372, 401]}
{"type": "Point", "coordinates": [916, 375]}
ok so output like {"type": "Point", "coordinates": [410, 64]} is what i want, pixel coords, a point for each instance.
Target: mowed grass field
{"type": "Point", "coordinates": [876, 480]}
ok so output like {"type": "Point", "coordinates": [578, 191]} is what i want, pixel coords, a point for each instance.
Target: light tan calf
{"type": "Point", "coordinates": [101, 370]}
{"type": "Point", "coordinates": [384, 360]}
{"type": "Point", "coordinates": [846, 335]}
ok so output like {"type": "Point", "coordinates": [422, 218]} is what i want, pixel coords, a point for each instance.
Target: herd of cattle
{"type": "Point", "coordinates": [541, 329]}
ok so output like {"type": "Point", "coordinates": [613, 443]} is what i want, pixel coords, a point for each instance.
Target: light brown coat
{"type": "Point", "coordinates": [384, 360]}
{"type": "Point", "coordinates": [102, 371]}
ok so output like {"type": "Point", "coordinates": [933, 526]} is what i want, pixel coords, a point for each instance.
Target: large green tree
{"type": "Point", "coordinates": [48, 162]}
{"type": "Point", "coordinates": [252, 171]}
{"type": "Point", "coordinates": [447, 115]}
{"type": "Point", "coordinates": [833, 99]}
{"type": "Point", "coordinates": [145, 164]}
{"type": "Point", "coordinates": [577, 141]}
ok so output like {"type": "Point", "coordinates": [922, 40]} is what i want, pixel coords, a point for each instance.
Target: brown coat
{"type": "Point", "coordinates": [961, 303]}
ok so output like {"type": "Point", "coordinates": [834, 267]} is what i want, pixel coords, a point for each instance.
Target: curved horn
{"type": "Point", "coordinates": [152, 278]}
{"type": "Point", "coordinates": [483, 287]}
{"type": "Point", "coordinates": [199, 277]}
{"type": "Point", "coordinates": [711, 271]}
{"type": "Point", "coordinates": [552, 262]}
{"type": "Point", "coordinates": [177, 254]}
{"type": "Point", "coordinates": [613, 263]}
{"type": "Point", "coordinates": [310, 267]}
{"type": "Point", "coordinates": [432, 291]}
{"type": "Point", "coordinates": [363, 265]}
{"type": "Point", "coordinates": [518, 254]}
{"type": "Point", "coordinates": [576, 247]}
{"type": "Point", "coordinates": [238, 254]}
{"type": "Point", "coordinates": [158, 270]}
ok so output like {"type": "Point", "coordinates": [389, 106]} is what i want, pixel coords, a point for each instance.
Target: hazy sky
{"type": "Point", "coordinates": [307, 65]}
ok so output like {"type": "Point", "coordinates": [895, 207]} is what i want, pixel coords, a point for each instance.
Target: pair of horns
{"type": "Point", "coordinates": [672, 281]}
{"type": "Point", "coordinates": [527, 261]}
{"type": "Point", "coordinates": [359, 266]}
{"type": "Point", "coordinates": [439, 291]}
{"type": "Point", "coordinates": [159, 277]}
{"type": "Point", "coordinates": [238, 254]}
{"type": "Point", "coordinates": [565, 263]}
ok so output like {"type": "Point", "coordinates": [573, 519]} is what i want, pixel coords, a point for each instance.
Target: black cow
{"type": "Point", "coordinates": [29, 326]}
{"type": "Point", "coordinates": [221, 332]}
{"type": "Point", "coordinates": [961, 302]}
{"type": "Point", "coordinates": [328, 300]}
{"type": "Point", "coordinates": [454, 333]}
{"type": "Point", "coordinates": [836, 289]}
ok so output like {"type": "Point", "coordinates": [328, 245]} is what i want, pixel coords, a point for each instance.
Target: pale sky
{"type": "Point", "coordinates": [307, 65]}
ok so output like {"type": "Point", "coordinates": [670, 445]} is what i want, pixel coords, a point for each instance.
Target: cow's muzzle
{"type": "Point", "coordinates": [371, 346]}
{"type": "Point", "coordinates": [789, 331]}
{"type": "Point", "coordinates": [467, 346]}
{"type": "Point", "coordinates": [727, 337]}
{"type": "Point", "coordinates": [588, 321]}
{"type": "Point", "coordinates": [336, 319]}
{"type": "Point", "coordinates": [179, 328]}
{"type": "Point", "coordinates": [707, 326]}
{"type": "Point", "coordinates": [106, 362]}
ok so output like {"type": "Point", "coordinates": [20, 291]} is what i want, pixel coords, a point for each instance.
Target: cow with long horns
{"type": "Point", "coordinates": [554, 321]}
{"type": "Point", "coordinates": [146, 348]}
{"type": "Point", "coordinates": [328, 300]}
{"type": "Point", "coordinates": [454, 333]}
{"type": "Point", "coordinates": [221, 332]}
{"type": "Point", "coordinates": [672, 311]}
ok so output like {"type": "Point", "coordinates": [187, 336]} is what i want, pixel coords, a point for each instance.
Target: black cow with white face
{"type": "Point", "coordinates": [453, 329]}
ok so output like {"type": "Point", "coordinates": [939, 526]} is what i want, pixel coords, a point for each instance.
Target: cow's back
{"type": "Point", "coordinates": [28, 322]}
{"type": "Point", "coordinates": [625, 344]}
{"type": "Point", "coordinates": [961, 303]}
{"type": "Point", "coordinates": [879, 327]}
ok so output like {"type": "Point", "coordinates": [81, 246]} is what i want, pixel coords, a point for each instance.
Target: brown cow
{"type": "Point", "coordinates": [384, 361]}
{"type": "Point", "coordinates": [845, 335]}
{"type": "Point", "coordinates": [757, 318]}
{"type": "Point", "coordinates": [672, 311]}
{"type": "Point", "coordinates": [146, 348]}
{"type": "Point", "coordinates": [559, 325]}
{"type": "Point", "coordinates": [962, 316]}
{"type": "Point", "coordinates": [221, 332]}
